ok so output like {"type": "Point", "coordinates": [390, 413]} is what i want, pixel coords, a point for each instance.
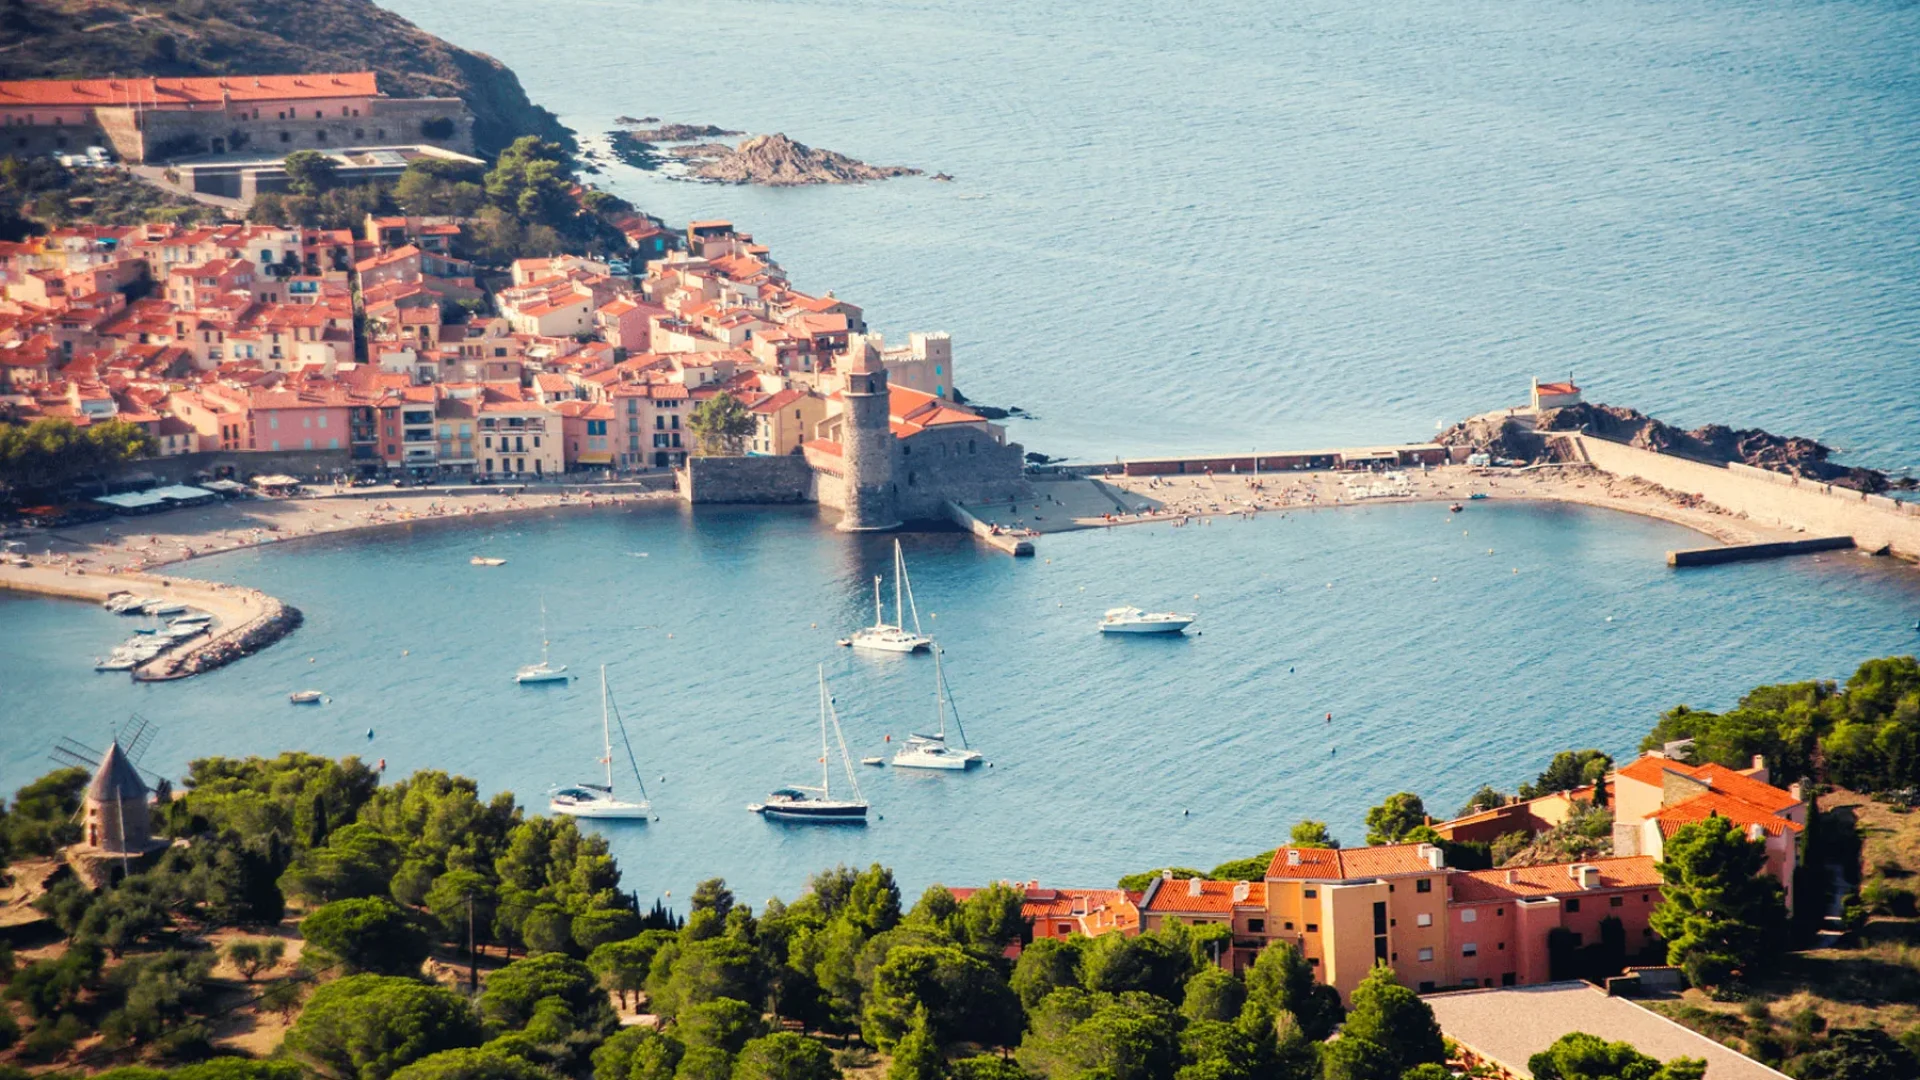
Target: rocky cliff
{"type": "Point", "coordinates": [1715, 444]}
{"type": "Point", "coordinates": [42, 39]}
{"type": "Point", "coordinates": [777, 161]}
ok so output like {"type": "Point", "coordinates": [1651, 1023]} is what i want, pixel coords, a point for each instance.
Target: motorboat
{"type": "Point", "coordinates": [816, 805]}
{"type": "Point", "coordinates": [586, 800]}
{"type": "Point", "coordinates": [127, 603]}
{"type": "Point", "coordinates": [197, 618]}
{"type": "Point", "coordinates": [306, 697]}
{"type": "Point", "coordinates": [1131, 620]}
{"type": "Point", "coordinates": [932, 751]}
{"type": "Point", "coordinates": [884, 636]}
{"type": "Point", "coordinates": [482, 560]}
{"type": "Point", "coordinates": [165, 607]}
{"type": "Point", "coordinates": [544, 671]}
{"type": "Point", "coordinates": [1455, 508]}
{"type": "Point", "coordinates": [874, 761]}
{"type": "Point", "coordinates": [116, 662]}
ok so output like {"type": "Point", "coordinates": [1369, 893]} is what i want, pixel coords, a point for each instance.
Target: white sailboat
{"type": "Point", "coordinates": [598, 800]}
{"type": "Point", "coordinates": [799, 802]}
{"type": "Point", "coordinates": [884, 636]}
{"type": "Point", "coordinates": [932, 751]}
{"type": "Point", "coordinates": [544, 671]}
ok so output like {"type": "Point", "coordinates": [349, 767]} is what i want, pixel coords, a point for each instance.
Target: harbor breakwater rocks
{"type": "Point", "coordinates": [274, 622]}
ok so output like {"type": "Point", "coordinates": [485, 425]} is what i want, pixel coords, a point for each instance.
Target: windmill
{"type": "Point", "coordinates": [117, 780]}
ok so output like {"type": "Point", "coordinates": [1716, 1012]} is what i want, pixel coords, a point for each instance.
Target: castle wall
{"type": "Point", "coordinates": [868, 451]}
{"type": "Point", "coordinates": [960, 464]}
{"type": "Point", "coordinates": [783, 479]}
{"type": "Point", "coordinates": [1873, 521]}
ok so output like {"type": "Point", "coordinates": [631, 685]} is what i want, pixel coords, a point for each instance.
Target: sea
{"type": "Point", "coordinates": [1207, 228]}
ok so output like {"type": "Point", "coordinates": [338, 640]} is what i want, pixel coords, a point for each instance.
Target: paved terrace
{"type": "Point", "coordinates": [1512, 1024]}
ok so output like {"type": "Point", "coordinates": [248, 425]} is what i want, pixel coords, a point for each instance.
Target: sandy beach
{"type": "Point", "coordinates": [1071, 503]}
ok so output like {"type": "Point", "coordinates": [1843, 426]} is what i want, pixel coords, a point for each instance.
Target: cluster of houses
{"type": "Point", "coordinates": [1440, 927]}
{"type": "Point", "coordinates": [379, 350]}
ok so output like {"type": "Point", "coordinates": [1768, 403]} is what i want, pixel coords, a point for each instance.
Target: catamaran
{"type": "Point", "coordinates": [817, 804]}
{"type": "Point", "coordinates": [543, 671]}
{"type": "Point", "coordinates": [884, 636]}
{"type": "Point", "coordinates": [598, 800]}
{"type": "Point", "coordinates": [932, 751]}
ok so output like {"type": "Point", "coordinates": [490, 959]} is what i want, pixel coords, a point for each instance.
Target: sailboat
{"type": "Point", "coordinates": [883, 636]}
{"type": "Point", "coordinates": [598, 800]}
{"type": "Point", "coordinates": [932, 751]}
{"type": "Point", "coordinates": [544, 671]}
{"type": "Point", "coordinates": [817, 804]}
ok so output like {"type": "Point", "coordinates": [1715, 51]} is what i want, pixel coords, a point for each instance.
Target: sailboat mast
{"type": "Point", "coordinates": [879, 617]}
{"type": "Point", "coordinates": [606, 730]}
{"type": "Point", "coordinates": [899, 571]}
{"type": "Point", "coordinates": [826, 790]}
{"type": "Point", "coordinates": [543, 642]}
{"type": "Point", "coordinates": [939, 699]}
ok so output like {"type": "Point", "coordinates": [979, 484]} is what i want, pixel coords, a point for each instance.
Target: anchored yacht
{"type": "Point", "coordinates": [797, 802]}
{"type": "Point", "coordinates": [932, 751]}
{"type": "Point", "coordinates": [884, 636]}
{"type": "Point", "coordinates": [586, 800]}
{"type": "Point", "coordinates": [1131, 620]}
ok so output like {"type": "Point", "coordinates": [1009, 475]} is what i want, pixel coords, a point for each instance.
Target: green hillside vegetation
{"type": "Point", "coordinates": [42, 39]}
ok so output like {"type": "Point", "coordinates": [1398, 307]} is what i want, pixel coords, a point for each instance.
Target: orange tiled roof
{"type": "Point", "coordinates": [1760, 794]}
{"type": "Point", "coordinates": [1342, 864]}
{"type": "Point", "coordinates": [1626, 872]}
{"type": "Point", "coordinates": [1714, 804]}
{"type": "Point", "coordinates": [1197, 895]}
{"type": "Point", "coordinates": [1558, 388]}
{"type": "Point", "coordinates": [211, 90]}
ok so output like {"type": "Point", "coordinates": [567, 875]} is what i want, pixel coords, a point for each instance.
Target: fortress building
{"type": "Point", "coordinates": [150, 120]}
{"type": "Point", "coordinates": [866, 438]}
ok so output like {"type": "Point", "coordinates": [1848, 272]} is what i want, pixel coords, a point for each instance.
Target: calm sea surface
{"type": "Point", "coordinates": [1108, 755]}
{"type": "Point", "coordinates": [1178, 229]}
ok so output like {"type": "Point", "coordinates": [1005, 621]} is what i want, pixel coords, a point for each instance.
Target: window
{"type": "Point", "coordinates": [1470, 949]}
{"type": "Point", "coordinates": [1256, 926]}
{"type": "Point", "coordinates": [1423, 919]}
{"type": "Point", "coordinates": [1313, 928]}
{"type": "Point", "coordinates": [1423, 885]}
{"type": "Point", "coordinates": [1469, 915]}
{"type": "Point", "coordinates": [286, 136]}
{"type": "Point", "coordinates": [1313, 961]}
{"type": "Point", "coordinates": [1499, 911]}
{"type": "Point", "coordinates": [1426, 956]}
{"type": "Point", "coordinates": [1063, 928]}
{"type": "Point", "coordinates": [1286, 926]}
{"type": "Point", "coordinates": [1507, 979]}
{"type": "Point", "coordinates": [1309, 893]}
{"type": "Point", "coordinates": [1573, 904]}
{"type": "Point", "coordinates": [1616, 901]}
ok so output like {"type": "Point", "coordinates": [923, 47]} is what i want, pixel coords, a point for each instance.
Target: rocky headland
{"type": "Point", "coordinates": [56, 39]}
{"type": "Point", "coordinates": [770, 160]}
{"type": "Point", "coordinates": [1521, 438]}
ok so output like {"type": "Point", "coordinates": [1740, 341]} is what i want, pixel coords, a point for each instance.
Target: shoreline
{"type": "Point", "coordinates": [91, 562]}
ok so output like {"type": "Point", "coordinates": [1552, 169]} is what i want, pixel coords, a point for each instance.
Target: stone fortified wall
{"type": "Point", "coordinates": [167, 134]}
{"type": "Point", "coordinates": [958, 464]}
{"type": "Point", "coordinates": [783, 479]}
{"type": "Point", "coordinates": [1874, 521]}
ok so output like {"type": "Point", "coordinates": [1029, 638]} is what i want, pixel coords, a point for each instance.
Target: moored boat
{"type": "Point", "coordinates": [1131, 620]}
{"type": "Point", "coordinates": [894, 637]}
{"type": "Point", "coordinates": [932, 751]}
{"type": "Point", "coordinates": [306, 697]}
{"type": "Point", "coordinates": [586, 800]}
{"type": "Point", "coordinates": [802, 803]}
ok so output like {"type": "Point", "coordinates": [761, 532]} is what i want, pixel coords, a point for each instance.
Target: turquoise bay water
{"type": "Point", "coordinates": [1214, 225]}
{"type": "Point", "coordinates": [1109, 755]}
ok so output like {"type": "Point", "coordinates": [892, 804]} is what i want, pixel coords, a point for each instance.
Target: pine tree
{"type": "Point", "coordinates": [1722, 905]}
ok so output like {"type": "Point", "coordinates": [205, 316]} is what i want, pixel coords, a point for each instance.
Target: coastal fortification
{"type": "Point", "coordinates": [868, 444]}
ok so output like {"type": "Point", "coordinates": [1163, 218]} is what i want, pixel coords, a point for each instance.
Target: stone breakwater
{"type": "Point", "coordinates": [275, 621]}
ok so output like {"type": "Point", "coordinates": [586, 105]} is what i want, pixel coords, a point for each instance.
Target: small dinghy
{"type": "Point", "coordinates": [306, 697]}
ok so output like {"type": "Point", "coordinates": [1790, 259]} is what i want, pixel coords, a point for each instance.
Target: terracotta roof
{"type": "Point", "coordinates": [1715, 804]}
{"type": "Point", "coordinates": [211, 90]}
{"type": "Point", "coordinates": [1197, 895]}
{"type": "Point", "coordinates": [1762, 795]}
{"type": "Point", "coordinates": [1557, 388]}
{"type": "Point", "coordinates": [1628, 872]}
{"type": "Point", "coordinates": [776, 402]}
{"type": "Point", "coordinates": [1342, 864]}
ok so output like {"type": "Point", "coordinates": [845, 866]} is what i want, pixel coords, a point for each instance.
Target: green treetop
{"type": "Point", "coordinates": [1392, 820]}
{"type": "Point", "coordinates": [1579, 1056]}
{"type": "Point", "coordinates": [722, 425]}
{"type": "Point", "coordinates": [1724, 911]}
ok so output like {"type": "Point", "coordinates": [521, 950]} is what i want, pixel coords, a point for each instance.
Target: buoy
{"type": "Point", "coordinates": [1436, 577]}
{"type": "Point", "coordinates": [1609, 618]}
{"type": "Point", "coordinates": [1489, 551]}
{"type": "Point", "coordinates": [1329, 584]}
{"type": "Point", "coordinates": [1289, 671]}
{"type": "Point", "coordinates": [369, 733]}
{"type": "Point", "coordinates": [404, 652]}
{"type": "Point", "coordinates": [309, 659]}
{"type": "Point", "coordinates": [669, 637]}
{"type": "Point", "coordinates": [1516, 569]}
{"type": "Point", "coordinates": [813, 626]}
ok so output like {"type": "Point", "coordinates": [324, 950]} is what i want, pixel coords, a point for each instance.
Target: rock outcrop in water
{"type": "Point", "coordinates": [778, 161]}
{"type": "Point", "coordinates": [680, 132]}
{"type": "Point", "coordinates": [1715, 444]}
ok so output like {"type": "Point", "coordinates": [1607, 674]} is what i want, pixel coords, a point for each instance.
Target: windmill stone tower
{"type": "Point", "coordinates": [868, 453]}
{"type": "Point", "coordinates": [114, 811]}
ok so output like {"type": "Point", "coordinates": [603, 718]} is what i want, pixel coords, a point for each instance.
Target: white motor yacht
{"type": "Point", "coordinates": [585, 800]}
{"type": "Point", "coordinates": [932, 751]}
{"type": "Point", "coordinates": [165, 607]}
{"type": "Point", "coordinates": [884, 636]}
{"type": "Point", "coordinates": [816, 805]}
{"type": "Point", "coordinates": [1131, 620]}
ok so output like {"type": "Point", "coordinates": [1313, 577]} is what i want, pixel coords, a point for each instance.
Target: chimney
{"type": "Point", "coordinates": [1756, 831]}
{"type": "Point", "coordinates": [1513, 877]}
{"type": "Point", "coordinates": [1796, 791]}
{"type": "Point", "coordinates": [1194, 887]}
{"type": "Point", "coordinates": [1293, 857]}
{"type": "Point", "coordinates": [1589, 877]}
{"type": "Point", "coordinates": [1240, 890]}
{"type": "Point", "coordinates": [1166, 875]}
{"type": "Point", "coordinates": [1436, 858]}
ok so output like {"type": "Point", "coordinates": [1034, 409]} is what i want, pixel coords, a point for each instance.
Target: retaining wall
{"type": "Point", "coordinates": [783, 479]}
{"type": "Point", "coordinates": [304, 464]}
{"type": "Point", "coordinates": [1771, 498]}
